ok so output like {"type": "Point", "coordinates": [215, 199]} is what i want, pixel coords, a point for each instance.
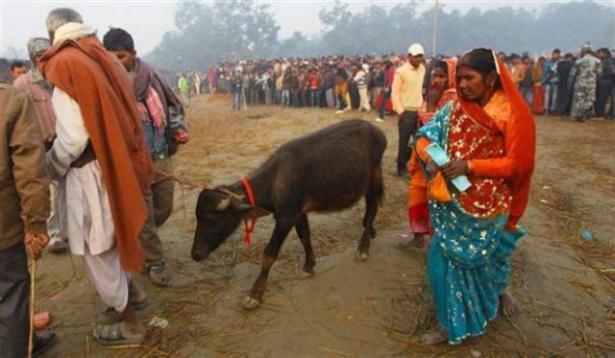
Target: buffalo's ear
{"type": "Point", "coordinates": [251, 212]}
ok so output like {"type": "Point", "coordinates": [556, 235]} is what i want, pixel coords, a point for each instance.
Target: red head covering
{"type": "Point", "coordinates": [520, 141]}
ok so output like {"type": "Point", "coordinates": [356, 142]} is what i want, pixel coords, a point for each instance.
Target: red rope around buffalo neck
{"type": "Point", "coordinates": [249, 228]}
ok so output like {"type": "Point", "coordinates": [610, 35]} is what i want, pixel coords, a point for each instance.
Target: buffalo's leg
{"type": "Point", "coordinates": [281, 230]}
{"type": "Point", "coordinates": [372, 200]}
{"type": "Point", "coordinates": [303, 231]}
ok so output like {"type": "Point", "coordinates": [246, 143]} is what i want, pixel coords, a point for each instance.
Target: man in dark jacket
{"type": "Point", "coordinates": [164, 129]}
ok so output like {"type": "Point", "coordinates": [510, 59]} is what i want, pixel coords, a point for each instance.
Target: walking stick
{"type": "Point", "coordinates": [32, 300]}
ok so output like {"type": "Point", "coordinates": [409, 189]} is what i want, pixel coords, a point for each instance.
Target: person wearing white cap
{"type": "Point", "coordinates": [361, 81]}
{"type": "Point", "coordinates": [407, 97]}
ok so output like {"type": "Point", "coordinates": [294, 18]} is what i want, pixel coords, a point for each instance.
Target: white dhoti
{"type": "Point", "coordinates": [110, 280]}
{"type": "Point", "coordinates": [55, 222]}
{"type": "Point", "coordinates": [91, 233]}
{"type": "Point", "coordinates": [364, 99]}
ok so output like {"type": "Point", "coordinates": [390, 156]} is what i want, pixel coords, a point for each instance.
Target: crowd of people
{"type": "Point", "coordinates": [87, 135]}
{"type": "Point", "coordinates": [579, 85]}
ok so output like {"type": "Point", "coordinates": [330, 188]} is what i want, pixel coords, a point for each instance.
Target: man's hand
{"type": "Point", "coordinates": [455, 168]}
{"type": "Point", "coordinates": [35, 243]}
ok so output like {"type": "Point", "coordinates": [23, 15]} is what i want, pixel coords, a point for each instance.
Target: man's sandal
{"type": "Point", "coordinates": [159, 274]}
{"type": "Point", "coordinates": [116, 334]}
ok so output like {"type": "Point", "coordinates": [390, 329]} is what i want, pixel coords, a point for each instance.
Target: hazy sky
{"type": "Point", "coordinates": [147, 21]}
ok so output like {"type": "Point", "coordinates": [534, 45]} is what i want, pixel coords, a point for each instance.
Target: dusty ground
{"type": "Point", "coordinates": [566, 285]}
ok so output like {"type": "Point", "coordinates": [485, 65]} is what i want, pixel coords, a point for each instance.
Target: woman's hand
{"type": "Point", "coordinates": [432, 169]}
{"type": "Point", "coordinates": [455, 168]}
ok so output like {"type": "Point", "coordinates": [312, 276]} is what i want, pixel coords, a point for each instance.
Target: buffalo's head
{"type": "Point", "coordinates": [218, 213]}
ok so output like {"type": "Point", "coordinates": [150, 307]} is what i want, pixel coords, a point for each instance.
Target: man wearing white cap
{"type": "Point", "coordinates": [407, 97]}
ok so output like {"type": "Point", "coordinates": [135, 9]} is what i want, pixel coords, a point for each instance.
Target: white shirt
{"type": "Point", "coordinates": [72, 137]}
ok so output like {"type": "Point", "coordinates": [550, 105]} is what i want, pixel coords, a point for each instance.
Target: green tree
{"type": "Point", "coordinates": [187, 14]}
{"type": "Point", "coordinates": [224, 30]}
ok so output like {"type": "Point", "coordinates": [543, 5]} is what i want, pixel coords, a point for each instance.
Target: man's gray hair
{"type": "Point", "coordinates": [61, 16]}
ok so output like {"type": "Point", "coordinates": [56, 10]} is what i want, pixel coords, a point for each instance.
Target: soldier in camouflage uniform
{"type": "Point", "coordinates": [582, 82]}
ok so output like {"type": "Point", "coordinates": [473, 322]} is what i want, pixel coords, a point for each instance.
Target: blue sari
{"type": "Point", "coordinates": [468, 263]}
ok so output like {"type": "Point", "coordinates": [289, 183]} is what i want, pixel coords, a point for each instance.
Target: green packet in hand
{"type": "Point", "coordinates": [439, 156]}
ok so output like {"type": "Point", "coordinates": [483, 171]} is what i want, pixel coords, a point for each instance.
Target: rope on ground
{"type": "Point", "coordinates": [184, 183]}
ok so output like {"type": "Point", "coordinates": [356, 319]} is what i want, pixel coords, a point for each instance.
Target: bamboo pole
{"type": "Point", "coordinates": [32, 301]}
{"type": "Point", "coordinates": [434, 39]}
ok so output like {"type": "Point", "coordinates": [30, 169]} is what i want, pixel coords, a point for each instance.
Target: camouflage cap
{"type": "Point", "coordinates": [37, 45]}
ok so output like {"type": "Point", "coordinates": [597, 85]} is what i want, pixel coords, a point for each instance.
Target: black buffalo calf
{"type": "Point", "coordinates": [326, 171]}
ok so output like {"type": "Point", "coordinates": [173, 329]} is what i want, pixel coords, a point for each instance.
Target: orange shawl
{"type": "Point", "coordinates": [98, 83]}
{"type": "Point", "coordinates": [520, 141]}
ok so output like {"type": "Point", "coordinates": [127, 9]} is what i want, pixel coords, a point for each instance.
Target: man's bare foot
{"type": "Point", "coordinates": [509, 305]}
{"type": "Point", "coordinates": [433, 337]}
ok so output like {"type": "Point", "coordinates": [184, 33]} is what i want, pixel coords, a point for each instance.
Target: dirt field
{"type": "Point", "coordinates": [566, 286]}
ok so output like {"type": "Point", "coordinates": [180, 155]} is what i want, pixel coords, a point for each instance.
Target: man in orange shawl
{"type": "Point", "coordinates": [100, 154]}
{"type": "Point", "coordinates": [489, 135]}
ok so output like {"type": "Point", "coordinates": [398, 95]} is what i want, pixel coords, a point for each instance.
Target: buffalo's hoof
{"type": "Point", "coordinates": [250, 303]}
{"type": "Point", "coordinates": [361, 256]}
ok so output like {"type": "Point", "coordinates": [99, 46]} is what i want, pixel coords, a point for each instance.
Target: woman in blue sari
{"type": "Point", "coordinates": [488, 133]}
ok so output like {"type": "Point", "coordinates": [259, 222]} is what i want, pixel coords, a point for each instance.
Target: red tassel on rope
{"type": "Point", "coordinates": [249, 228]}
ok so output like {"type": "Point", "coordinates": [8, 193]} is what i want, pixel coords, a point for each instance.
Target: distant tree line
{"type": "Point", "coordinates": [236, 29]}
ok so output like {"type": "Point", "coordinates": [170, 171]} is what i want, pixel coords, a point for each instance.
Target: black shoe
{"type": "Point", "coordinates": [42, 342]}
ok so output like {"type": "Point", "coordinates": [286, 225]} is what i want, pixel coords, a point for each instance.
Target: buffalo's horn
{"type": "Point", "coordinates": [231, 194]}
{"type": "Point", "coordinates": [224, 204]}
